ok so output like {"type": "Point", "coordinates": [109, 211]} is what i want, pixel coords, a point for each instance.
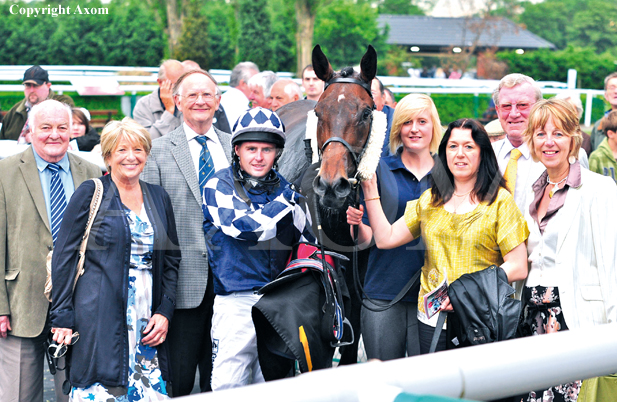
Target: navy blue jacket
{"type": "Point", "coordinates": [249, 246]}
{"type": "Point", "coordinates": [97, 308]}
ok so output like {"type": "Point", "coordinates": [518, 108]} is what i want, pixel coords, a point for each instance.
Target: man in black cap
{"type": "Point", "coordinates": [37, 88]}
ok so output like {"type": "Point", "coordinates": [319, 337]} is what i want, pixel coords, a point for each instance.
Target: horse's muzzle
{"type": "Point", "coordinates": [332, 195]}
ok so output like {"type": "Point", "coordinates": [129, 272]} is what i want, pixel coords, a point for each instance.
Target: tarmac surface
{"type": "Point", "coordinates": [49, 394]}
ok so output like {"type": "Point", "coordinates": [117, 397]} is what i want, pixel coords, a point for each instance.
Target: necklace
{"type": "Point", "coordinates": [462, 195]}
{"type": "Point", "coordinates": [555, 185]}
{"type": "Point", "coordinates": [462, 201]}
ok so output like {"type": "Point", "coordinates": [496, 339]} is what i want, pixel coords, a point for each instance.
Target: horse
{"type": "Point", "coordinates": [346, 119]}
{"type": "Point", "coordinates": [293, 161]}
{"type": "Point", "coordinates": [347, 135]}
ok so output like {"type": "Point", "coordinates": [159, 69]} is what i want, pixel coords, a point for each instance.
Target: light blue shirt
{"type": "Point", "coordinates": [45, 177]}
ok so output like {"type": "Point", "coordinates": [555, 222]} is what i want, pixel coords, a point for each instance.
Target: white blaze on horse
{"type": "Point", "coordinates": [350, 132]}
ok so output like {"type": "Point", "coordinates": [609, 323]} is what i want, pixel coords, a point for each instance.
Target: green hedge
{"type": "Point", "coordinates": [452, 107]}
{"type": "Point", "coordinates": [9, 99]}
{"type": "Point", "coordinates": [449, 106]}
{"type": "Point", "coordinates": [548, 65]}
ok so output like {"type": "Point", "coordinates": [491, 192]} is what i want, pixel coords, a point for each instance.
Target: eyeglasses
{"type": "Point", "coordinates": [57, 350]}
{"type": "Point", "coordinates": [519, 106]}
{"type": "Point", "coordinates": [194, 96]}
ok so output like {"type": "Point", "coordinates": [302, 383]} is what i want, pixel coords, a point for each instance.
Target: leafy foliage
{"type": "Point", "coordinates": [546, 65]}
{"type": "Point", "coordinates": [125, 36]}
{"type": "Point", "coordinates": [574, 22]}
{"type": "Point", "coordinates": [222, 32]}
{"type": "Point", "coordinates": [344, 29]}
{"type": "Point", "coordinates": [254, 41]}
{"type": "Point", "coordinates": [194, 42]}
{"type": "Point", "coordinates": [400, 7]}
{"type": "Point", "coordinates": [283, 36]}
{"type": "Point", "coordinates": [392, 62]}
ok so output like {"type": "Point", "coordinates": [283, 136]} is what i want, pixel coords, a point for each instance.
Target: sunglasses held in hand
{"type": "Point", "coordinates": [57, 350]}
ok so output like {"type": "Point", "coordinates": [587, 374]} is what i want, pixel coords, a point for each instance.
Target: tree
{"type": "Point", "coordinates": [222, 33]}
{"type": "Point", "coordinates": [596, 26]}
{"type": "Point", "coordinates": [400, 7]}
{"type": "Point", "coordinates": [344, 29]}
{"type": "Point", "coordinates": [194, 42]}
{"type": "Point", "coordinates": [574, 22]}
{"type": "Point", "coordinates": [254, 42]}
{"type": "Point", "coordinates": [123, 37]}
{"type": "Point", "coordinates": [284, 29]}
{"type": "Point", "coordinates": [306, 11]}
{"type": "Point", "coordinates": [550, 19]}
{"type": "Point", "coordinates": [547, 65]}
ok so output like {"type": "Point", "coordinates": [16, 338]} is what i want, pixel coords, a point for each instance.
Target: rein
{"type": "Point", "coordinates": [369, 303]}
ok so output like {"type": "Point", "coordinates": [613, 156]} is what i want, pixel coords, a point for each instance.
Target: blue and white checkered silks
{"type": "Point", "coordinates": [229, 213]}
{"type": "Point", "coordinates": [256, 120]}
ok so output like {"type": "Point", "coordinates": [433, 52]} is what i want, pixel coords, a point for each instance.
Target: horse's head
{"type": "Point", "coordinates": [344, 112]}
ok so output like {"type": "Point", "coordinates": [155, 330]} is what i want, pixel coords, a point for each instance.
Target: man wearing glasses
{"type": "Point", "coordinates": [181, 162]}
{"type": "Point", "coordinates": [514, 97]}
{"type": "Point", "coordinates": [37, 88]}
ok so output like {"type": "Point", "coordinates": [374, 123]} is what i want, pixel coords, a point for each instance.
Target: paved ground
{"type": "Point", "coordinates": [50, 396]}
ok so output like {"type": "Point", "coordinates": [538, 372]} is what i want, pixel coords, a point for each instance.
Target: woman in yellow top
{"type": "Point", "coordinates": [468, 219]}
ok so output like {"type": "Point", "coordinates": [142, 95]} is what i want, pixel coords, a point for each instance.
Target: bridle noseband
{"type": "Point", "coordinates": [357, 156]}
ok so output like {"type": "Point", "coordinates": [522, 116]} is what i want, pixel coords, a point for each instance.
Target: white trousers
{"type": "Point", "coordinates": [234, 342]}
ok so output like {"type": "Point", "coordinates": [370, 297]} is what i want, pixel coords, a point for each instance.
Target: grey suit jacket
{"type": "Point", "coordinates": [170, 166]}
{"type": "Point", "coordinates": [25, 239]}
{"type": "Point", "coordinates": [150, 113]}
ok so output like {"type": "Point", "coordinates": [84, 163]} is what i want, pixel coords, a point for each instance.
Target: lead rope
{"type": "Point", "coordinates": [369, 303]}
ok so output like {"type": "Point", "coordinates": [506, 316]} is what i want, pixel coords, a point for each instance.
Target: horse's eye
{"type": "Point", "coordinates": [367, 114]}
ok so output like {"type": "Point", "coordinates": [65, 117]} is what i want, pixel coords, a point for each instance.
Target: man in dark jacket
{"type": "Point", "coordinates": [37, 88]}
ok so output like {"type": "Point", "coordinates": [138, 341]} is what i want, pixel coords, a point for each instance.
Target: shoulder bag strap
{"type": "Point", "coordinates": [440, 321]}
{"type": "Point", "coordinates": [94, 208]}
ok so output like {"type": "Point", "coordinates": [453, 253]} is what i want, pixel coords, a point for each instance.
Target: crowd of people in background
{"type": "Point", "coordinates": [195, 218]}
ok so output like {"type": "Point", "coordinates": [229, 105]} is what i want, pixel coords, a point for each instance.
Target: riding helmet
{"type": "Point", "coordinates": [260, 125]}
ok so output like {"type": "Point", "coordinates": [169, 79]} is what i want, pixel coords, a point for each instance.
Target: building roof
{"type": "Point", "coordinates": [432, 34]}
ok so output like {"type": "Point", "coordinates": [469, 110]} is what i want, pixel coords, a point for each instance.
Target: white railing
{"type": "Point", "coordinates": [479, 373]}
{"type": "Point", "coordinates": [147, 83]}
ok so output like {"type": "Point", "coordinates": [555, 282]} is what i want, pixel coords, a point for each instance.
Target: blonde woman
{"type": "Point", "coordinates": [572, 280]}
{"type": "Point", "coordinates": [402, 176]}
{"type": "Point", "coordinates": [123, 303]}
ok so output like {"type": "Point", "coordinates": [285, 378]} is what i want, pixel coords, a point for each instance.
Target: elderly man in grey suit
{"type": "Point", "coordinates": [35, 185]}
{"type": "Point", "coordinates": [181, 162]}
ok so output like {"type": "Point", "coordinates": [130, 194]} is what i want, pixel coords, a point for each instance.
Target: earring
{"type": "Point", "coordinates": [571, 159]}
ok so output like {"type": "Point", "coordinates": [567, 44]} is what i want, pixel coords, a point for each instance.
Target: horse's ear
{"type": "Point", "coordinates": [321, 65]}
{"type": "Point", "coordinates": [368, 65]}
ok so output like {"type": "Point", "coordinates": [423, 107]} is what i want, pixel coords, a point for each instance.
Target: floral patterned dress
{"type": "Point", "coordinates": [145, 378]}
{"type": "Point", "coordinates": [543, 315]}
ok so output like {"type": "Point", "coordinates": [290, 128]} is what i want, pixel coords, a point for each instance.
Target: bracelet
{"type": "Point", "coordinates": [371, 199]}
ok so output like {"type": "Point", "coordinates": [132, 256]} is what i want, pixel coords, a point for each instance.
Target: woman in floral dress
{"type": "Point", "coordinates": [124, 301]}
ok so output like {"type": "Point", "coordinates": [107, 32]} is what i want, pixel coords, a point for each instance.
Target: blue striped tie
{"type": "Point", "coordinates": [206, 164]}
{"type": "Point", "coordinates": [57, 200]}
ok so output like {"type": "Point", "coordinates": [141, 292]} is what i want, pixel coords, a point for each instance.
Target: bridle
{"type": "Point", "coordinates": [357, 156]}
{"type": "Point", "coordinates": [373, 305]}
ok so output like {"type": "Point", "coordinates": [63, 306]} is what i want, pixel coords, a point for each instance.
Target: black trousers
{"type": "Point", "coordinates": [190, 345]}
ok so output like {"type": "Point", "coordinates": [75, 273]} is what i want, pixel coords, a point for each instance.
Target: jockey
{"type": "Point", "coordinates": [252, 217]}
